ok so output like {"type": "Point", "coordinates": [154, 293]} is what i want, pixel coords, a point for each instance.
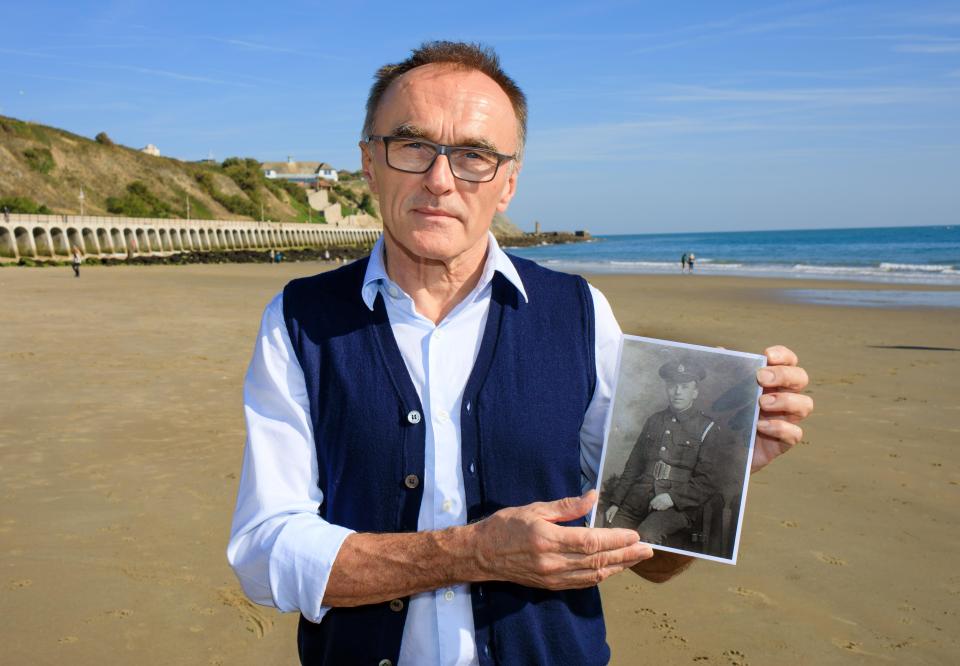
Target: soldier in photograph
{"type": "Point", "coordinates": [673, 468]}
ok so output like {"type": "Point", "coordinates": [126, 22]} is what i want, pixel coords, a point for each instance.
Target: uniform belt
{"type": "Point", "coordinates": [662, 471]}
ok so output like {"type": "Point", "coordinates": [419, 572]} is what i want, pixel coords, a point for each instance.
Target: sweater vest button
{"type": "Point", "coordinates": [385, 662]}
{"type": "Point", "coordinates": [411, 481]}
{"type": "Point", "coordinates": [396, 605]}
{"type": "Point", "coordinates": [413, 416]}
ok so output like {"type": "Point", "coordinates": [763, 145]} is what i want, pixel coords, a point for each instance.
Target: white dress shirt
{"type": "Point", "coordinates": [282, 551]}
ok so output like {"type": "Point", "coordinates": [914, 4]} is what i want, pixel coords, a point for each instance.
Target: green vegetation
{"type": "Point", "coordinates": [139, 201]}
{"type": "Point", "coordinates": [24, 130]}
{"type": "Point", "coordinates": [23, 205]}
{"type": "Point", "coordinates": [40, 159]}
{"type": "Point", "coordinates": [103, 139]}
{"type": "Point", "coordinates": [235, 203]}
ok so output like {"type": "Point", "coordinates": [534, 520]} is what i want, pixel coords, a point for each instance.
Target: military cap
{"type": "Point", "coordinates": [682, 371]}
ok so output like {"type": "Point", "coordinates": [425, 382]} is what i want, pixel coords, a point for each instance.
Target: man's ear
{"type": "Point", "coordinates": [366, 165]}
{"type": "Point", "coordinates": [510, 187]}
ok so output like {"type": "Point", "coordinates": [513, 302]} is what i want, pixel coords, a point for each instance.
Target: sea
{"type": "Point", "coordinates": [889, 255]}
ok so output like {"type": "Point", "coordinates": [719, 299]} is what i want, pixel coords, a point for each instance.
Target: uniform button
{"type": "Point", "coordinates": [666, 432]}
{"type": "Point", "coordinates": [413, 416]}
{"type": "Point", "coordinates": [473, 468]}
{"type": "Point", "coordinates": [468, 406]}
{"type": "Point", "coordinates": [486, 650]}
{"type": "Point", "coordinates": [674, 420]}
{"type": "Point", "coordinates": [443, 416]}
{"type": "Point", "coordinates": [480, 591]}
{"type": "Point", "coordinates": [396, 605]}
{"type": "Point", "coordinates": [385, 662]}
{"type": "Point", "coordinates": [663, 448]}
{"type": "Point", "coordinates": [449, 595]}
{"type": "Point", "coordinates": [411, 481]}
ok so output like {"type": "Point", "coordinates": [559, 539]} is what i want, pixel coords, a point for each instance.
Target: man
{"type": "Point", "coordinates": [675, 465]}
{"type": "Point", "coordinates": [413, 438]}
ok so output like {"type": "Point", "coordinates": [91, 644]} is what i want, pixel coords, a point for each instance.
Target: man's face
{"type": "Point", "coordinates": [681, 395]}
{"type": "Point", "coordinates": [433, 215]}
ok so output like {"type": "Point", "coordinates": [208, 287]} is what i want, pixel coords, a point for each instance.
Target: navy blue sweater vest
{"type": "Point", "coordinates": [523, 406]}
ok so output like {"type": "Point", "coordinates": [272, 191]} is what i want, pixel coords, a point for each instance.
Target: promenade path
{"type": "Point", "coordinates": [52, 236]}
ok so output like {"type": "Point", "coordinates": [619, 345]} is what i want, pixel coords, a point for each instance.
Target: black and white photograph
{"type": "Point", "coordinates": [676, 459]}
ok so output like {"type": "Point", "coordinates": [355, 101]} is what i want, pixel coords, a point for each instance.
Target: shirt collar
{"type": "Point", "coordinates": [497, 261]}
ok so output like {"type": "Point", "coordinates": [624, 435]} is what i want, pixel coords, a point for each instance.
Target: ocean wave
{"type": "Point", "coordinates": [912, 268]}
{"type": "Point", "coordinates": [903, 273]}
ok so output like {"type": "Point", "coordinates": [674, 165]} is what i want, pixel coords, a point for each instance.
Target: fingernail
{"type": "Point", "coordinates": [767, 401]}
{"type": "Point", "coordinates": [764, 376]}
{"type": "Point", "coordinates": [763, 424]}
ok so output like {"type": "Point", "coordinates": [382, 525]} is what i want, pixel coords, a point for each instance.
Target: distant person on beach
{"type": "Point", "coordinates": [424, 425]}
{"type": "Point", "coordinates": [76, 258]}
{"type": "Point", "coordinates": [691, 258]}
{"type": "Point", "coordinates": [683, 262]}
{"type": "Point", "coordinates": [673, 468]}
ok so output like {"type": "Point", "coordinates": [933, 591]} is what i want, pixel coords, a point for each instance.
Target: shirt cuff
{"type": "Point", "coordinates": [300, 565]}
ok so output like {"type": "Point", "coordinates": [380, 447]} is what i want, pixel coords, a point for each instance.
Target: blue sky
{"type": "Point", "coordinates": [698, 116]}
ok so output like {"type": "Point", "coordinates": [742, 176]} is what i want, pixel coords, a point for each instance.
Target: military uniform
{"type": "Point", "coordinates": [677, 453]}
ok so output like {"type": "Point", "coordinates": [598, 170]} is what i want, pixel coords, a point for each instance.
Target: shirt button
{"type": "Point", "coordinates": [396, 605]}
{"type": "Point", "coordinates": [411, 481]}
{"type": "Point", "coordinates": [443, 416]}
{"type": "Point", "coordinates": [385, 662]}
{"type": "Point", "coordinates": [447, 505]}
{"type": "Point", "coordinates": [674, 420]}
{"type": "Point", "coordinates": [667, 432]}
{"type": "Point", "coordinates": [393, 291]}
{"type": "Point", "coordinates": [437, 333]}
{"type": "Point", "coordinates": [413, 416]}
{"type": "Point", "coordinates": [663, 448]}
{"type": "Point", "coordinates": [448, 595]}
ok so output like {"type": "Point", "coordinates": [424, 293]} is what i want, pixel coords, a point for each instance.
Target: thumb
{"type": "Point", "coordinates": [568, 508]}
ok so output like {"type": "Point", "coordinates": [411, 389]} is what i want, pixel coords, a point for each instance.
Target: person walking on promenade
{"type": "Point", "coordinates": [76, 258]}
{"type": "Point", "coordinates": [416, 472]}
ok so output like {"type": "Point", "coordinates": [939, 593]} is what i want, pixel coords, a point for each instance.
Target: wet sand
{"type": "Point", "coordinates": [121, 435]}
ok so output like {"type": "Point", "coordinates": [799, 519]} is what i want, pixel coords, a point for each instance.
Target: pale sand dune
{"type": "Point", "coordinates": [121, 434]}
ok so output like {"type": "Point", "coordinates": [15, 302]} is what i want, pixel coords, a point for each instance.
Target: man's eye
{"type": "Point", "coordinates": [412, 145]}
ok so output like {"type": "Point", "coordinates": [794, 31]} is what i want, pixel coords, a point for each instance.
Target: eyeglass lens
{"type": "Point", "coordinates": [471, 164]}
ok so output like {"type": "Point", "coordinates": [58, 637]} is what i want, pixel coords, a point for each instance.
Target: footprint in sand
{"type": "Point", "coordinates": [751, 594]}
{"type": "Point", "coordinates": [830, 559]}
{"type": "Point", "coordinates": [68, 639]}
{"type": "Point", "coordinates": [788, 523]}
{"type": "Point", "coordinates": [20, 584]}
{"type": "Point", "coordinates": [735, 657]}
{"type": "Point", "coordinates": [120, 613]}
{"type": "Point", "coordinates": [257, 621]}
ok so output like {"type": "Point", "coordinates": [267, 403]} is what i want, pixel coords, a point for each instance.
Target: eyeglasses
{"type": "Point", "coordinates": [476, 165]}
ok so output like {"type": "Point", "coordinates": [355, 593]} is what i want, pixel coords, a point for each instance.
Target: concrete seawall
{"type": "Point", "coordinates": [52, 236]}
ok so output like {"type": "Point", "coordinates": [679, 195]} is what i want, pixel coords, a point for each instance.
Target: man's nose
{"type": "Point", "coordinates": [439, 178]}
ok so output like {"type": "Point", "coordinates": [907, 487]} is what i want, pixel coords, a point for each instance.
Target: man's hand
{"type": "Point", "coordinates": [523, 545]}
{"type": "Point", "coordinates": [611, 512]}
{"type": "Point", "coordinates": [661, 502]}
{"type": "Point", "coordinates": [782, 406]}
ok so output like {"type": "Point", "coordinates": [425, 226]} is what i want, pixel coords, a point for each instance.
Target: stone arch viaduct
{"type": "Point", "coordinates": [52, 236]}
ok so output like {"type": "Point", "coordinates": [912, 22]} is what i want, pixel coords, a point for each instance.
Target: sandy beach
{"type": "Point", "coordinates": [121, 435]}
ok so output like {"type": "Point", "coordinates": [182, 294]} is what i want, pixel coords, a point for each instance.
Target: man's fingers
{"type": "Point", "coordinates": [793, 405]}
{"type": "Point", "coordinates": [780, 355]}
{"type": "Point", "coordinates": [781, 430]}
{"type": "Point", "coordinates": [568, 508]}
{"type": "Point", "coordinates": [782, 377]}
